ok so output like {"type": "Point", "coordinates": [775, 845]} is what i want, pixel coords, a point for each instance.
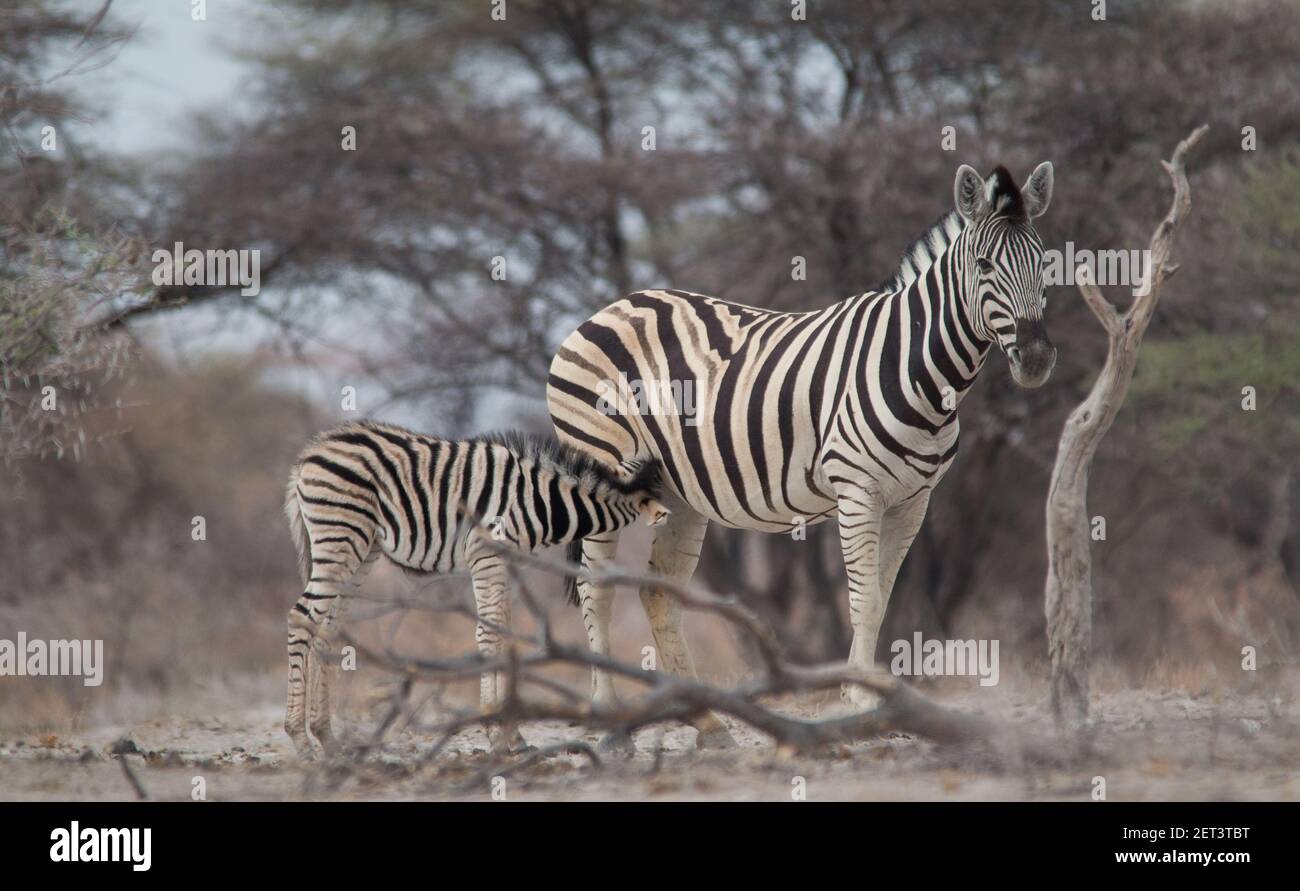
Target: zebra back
{"type": "Point", "coordinates": [366, 484]}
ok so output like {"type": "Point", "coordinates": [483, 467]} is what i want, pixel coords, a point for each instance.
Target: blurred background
{"type": "Point", "coordinates": [773, 137]}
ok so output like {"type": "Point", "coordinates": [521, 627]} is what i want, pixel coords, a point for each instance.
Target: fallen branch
{"type": "Point", "coordinates": [676, 698]}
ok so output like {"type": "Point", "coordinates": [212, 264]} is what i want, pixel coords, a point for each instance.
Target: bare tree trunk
{"type": "Point", "coordinates": [1069, 561]}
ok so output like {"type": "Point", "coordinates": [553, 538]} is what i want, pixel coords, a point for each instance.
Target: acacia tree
{"type": "Point", "coordinates": [774, 140]}
{"type": "Point", "coordinates": [60, 257]}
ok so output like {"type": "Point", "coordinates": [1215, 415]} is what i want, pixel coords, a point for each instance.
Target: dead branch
{"type": "Point", "coordinates": [120, 749]}
{"type": "Point", "coordinates": [534, 694]}
{"type": "Point", "coordinates": [1068, 595]}
{"type": "Point", "coordinates": [568, 747]}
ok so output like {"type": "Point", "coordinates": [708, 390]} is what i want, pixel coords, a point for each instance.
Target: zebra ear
{"type": "Point", "coordinates": [1037, 190]}
{"type": "Point", "coordinates": [969, 194]}
{"type": "Point", "coordinates": [655, 513]}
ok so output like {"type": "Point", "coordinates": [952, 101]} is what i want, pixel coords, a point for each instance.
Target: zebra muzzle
{"type": "Point", "coordinates": [1033, 356]}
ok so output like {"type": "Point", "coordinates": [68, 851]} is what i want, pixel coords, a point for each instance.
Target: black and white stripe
{"type": "Point", "coordinates": [846, 412]}
{"type": "Point", "coordinates": [432, 506]}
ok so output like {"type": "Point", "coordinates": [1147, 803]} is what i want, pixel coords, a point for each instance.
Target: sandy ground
{"type": "Point", "coordinates": [1147, 744]}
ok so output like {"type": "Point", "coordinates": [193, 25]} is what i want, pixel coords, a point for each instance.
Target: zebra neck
{"type": "Point", "coordinates": [934, 263]}
{"type": "Point", "coordinates": [960, 351]}
{"type": "Point", "coordinates": [932, 244]}
{"type": "Point", "coordinates": [945, 351]}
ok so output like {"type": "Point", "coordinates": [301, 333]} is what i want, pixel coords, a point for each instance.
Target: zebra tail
{"type": "Point", "coordinates": [297, 528]}
{"type": "Point", "coordinates": [573, 553]}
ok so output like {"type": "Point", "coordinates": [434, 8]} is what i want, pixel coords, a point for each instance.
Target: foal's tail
{"type": "Point", "coordinates": [297, 528]}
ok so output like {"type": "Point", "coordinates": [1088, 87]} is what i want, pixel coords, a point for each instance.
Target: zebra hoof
{"type": "Point", "coordinates": [515, 747]}
{"type": "Point", "coordinates": [618, 744]}
{"type": "Point", "coordinates": [325, 740]}
{"type": "Point", "coordinates": [501, 743]}
{"type": "Point", "coordinates": [306, 751]}
{"type": "Point", "coordinates": [717, 738]}
{"type": "Point", "coordinates": [859, 699]}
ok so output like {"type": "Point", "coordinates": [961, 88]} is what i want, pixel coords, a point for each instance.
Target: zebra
{"type": "Point", "coordinates": [848, 411]}
{"type": "Point", "coordinates": [430, 505]}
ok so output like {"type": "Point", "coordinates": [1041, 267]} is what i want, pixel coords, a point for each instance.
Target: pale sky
{"type": "Point", "coordinates": [173, 66]}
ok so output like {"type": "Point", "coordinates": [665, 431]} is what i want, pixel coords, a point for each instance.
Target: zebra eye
{"type": "Point", "coordinates": [984, 266]}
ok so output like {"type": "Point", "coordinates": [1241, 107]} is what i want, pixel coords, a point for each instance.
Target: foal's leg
{"type": "Point", "coordinates": [332, 565]}
{"type": "Point", "coordinates": [596, 598]}
{"type": "Point", "coordinates": [492, 601]}
{"type": "Point", "coordinates": [318, 694]}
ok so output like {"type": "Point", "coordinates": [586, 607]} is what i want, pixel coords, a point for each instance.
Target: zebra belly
{"type": "Point", "coordinates": [805, 506]}
{"type": "Point", "coordinates": [890, 476]}
{"type": "Point", "coordinates": [727, 508]}
{"type": "Point", "coordinates": [735, 481]}
{"type": "Point", "coordinates": [434, 556]}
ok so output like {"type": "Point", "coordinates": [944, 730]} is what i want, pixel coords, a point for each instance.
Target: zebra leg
{"type": "Point", "coordinates": [860, 515]}
{"type": "Point", "coordinates": [674, 555]}
{"type": "Point", "coordinates": [898, 529]}
{"type": "Point", "coordinates": [597, 601]}
{"type": "Point", "coordinates": [318, 693]}
{"type": "Point", "coordinates": [309, 616]}
{"type": "Point", "coordinates": [301, 634]}
{"type": "Point", "coordinates": [492, 601]}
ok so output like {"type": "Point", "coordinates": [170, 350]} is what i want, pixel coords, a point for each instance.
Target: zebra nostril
{"type": "Point", "coordinates": [1032, 364]}
{"type": "Point", "coordinates": [1013, 353]}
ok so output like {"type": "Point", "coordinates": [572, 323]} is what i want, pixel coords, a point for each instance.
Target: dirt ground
{"type": "Point", "coordinates": [1146, 744]}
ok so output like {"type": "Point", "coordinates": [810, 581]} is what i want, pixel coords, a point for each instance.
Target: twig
{"type": "Point", "coordinates": [120, 749]}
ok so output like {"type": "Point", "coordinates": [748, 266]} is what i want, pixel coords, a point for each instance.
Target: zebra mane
{"type": "Point", "coordinates": [1005, 196]}
{"type": "Point", "coordinates": [1005, 200]}
{"type": "Point", "coordinates": [644, 475]}
{"type": "Point", "coordinates": [927, 248]}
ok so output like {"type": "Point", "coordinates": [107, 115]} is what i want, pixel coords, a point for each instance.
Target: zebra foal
{"type": "Point", "coordinates": [433, 506]}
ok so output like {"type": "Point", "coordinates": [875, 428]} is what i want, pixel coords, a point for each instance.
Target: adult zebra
{"type": "Point", "coordinates": [848, 411]}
